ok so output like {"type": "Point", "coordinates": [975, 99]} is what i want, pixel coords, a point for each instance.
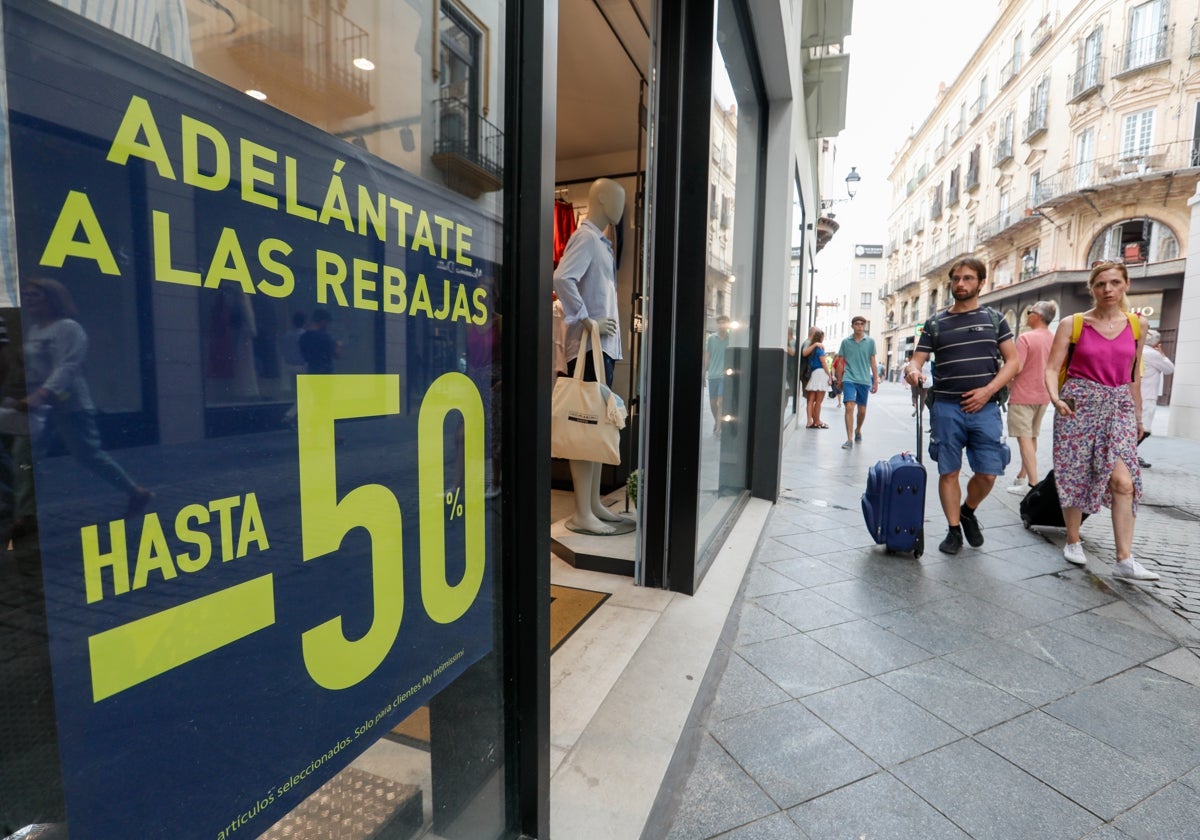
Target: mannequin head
{"type": "Point", "coordinates": [606, 202]}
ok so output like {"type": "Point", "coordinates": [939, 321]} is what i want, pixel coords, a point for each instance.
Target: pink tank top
{"type": "Point", "coordinates": [1101, 360]}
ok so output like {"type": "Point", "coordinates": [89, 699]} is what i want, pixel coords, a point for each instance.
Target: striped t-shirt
{"type": "Point", "coordinates": [967, 353]}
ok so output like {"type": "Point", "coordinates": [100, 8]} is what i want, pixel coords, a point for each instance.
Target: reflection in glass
{"type": "Point", "coordinates": [201, 320]}
{"type": "Point", "coordinates": [730, 278]}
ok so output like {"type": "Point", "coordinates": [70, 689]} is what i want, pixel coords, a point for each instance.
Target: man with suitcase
{"type": "Point", "coordinates": [975, 358]}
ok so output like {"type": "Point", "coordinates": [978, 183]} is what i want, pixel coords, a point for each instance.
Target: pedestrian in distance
{"type": "Point", "coordinates": [818, 381]}
{"type": "Point", "coordinates": [1029, 398]}
{"type": "Point", "coordinates": [859, 378]}
{"type": "Point", "coordinates": [1155, 365]}
{"type": "Point", "coordinates": [974, 359]}
{"type": "Point", "coordinates": [1098, 416]}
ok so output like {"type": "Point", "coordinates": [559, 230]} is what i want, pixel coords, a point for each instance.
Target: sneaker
{"type": "Point", "coordinates": [1143, 463]}
{"type": "Point", "coordinates": [847, 445]}
{"type": "Point", "coordinates": [858, 437]}
{"type": "Point", "coordinates": [1019, 489]}
{"type": "Point", "coordinates": [1074, 553]}
{"type": "Point", "coordinates": [1131, 569]}
{"type": "Point", "coordinates": [970, 526]}
{"type": "Point", "coordinates": [952, 543]}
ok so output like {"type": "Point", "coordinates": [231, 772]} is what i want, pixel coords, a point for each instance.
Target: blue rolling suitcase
{"type": "Point", "coordinates": [894, 502]}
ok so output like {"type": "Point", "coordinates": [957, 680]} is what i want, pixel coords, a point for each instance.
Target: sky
{"type": "Point", "coordinates": [899, 52]}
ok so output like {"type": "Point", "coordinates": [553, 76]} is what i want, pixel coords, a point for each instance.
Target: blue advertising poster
{"type": "Point", "coordinates": [275, 562]}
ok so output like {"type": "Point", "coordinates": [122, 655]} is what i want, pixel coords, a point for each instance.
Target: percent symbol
{"type": "Point", "coordinates": [452, 502]}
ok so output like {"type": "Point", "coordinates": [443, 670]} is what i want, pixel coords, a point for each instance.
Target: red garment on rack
{"type": "Point", "coordinates": [564, 226]}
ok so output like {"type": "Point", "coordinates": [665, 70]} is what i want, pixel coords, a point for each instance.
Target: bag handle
{"type": "Point", "coordinates": [597, 356]}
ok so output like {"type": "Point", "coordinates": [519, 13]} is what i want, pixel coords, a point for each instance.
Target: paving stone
{"type": "Point", "coordinates": [775, 827]}
{"type": "Point", "coordinates": [756, 624]}
{"type": "Point", "coordinates": [990, 798]}
{"type": "Point", "coordinates": [1170, 813]}
{"type": "Point", "coordinates": [928, 629]}
{"type": "Point", "coordinates": [764, 580]}
{"type": "Point", "coordinates": [815, 543]}
{"type": "Point", "coordinates": [1021, 675]}
{"type": "Point", "coordinates": [1181, 663]}
{"type": "Point", "coordinates": [869, 646]}
{"type": "Point", "coordinates": [1089, 772]}
{"type": "Point", "coordinates": [743, 689]}
{"type": "Point", "coordinates": [879, 806]}
{"type": "Point", "coordinates": [1024, 602]}
{"type": "Point", "coordinates": [861, 597]}
{"type": "Point", "coordinates": [799, 665]}
{"type": "Point", "coordinates": [1063, 650]}
{"type": "Point", "coordinates": [791, 753]}
{"type": "Point", "coordinates": [1149, 716]}
{"type": "Point", "coordinates": [806, 609]}
{"type": "Point", "coordinates": [719, 795]}
{"type": "Point", "coordinates": [809, 571]}
{"type": "Point", "coordinates": [960, 698]}
{"type": "Point", "coordinates": [1115, 636]}
{"type": "Point", "coordinates": [1073, 586]}
{"type": "Point", "coordinates": [982, 616]}
{"type": "Point", "coordinates": [881, 722]}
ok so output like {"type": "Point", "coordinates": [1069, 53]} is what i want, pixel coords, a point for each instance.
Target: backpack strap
{"type": "Point", "coordinates": [1076, 327]}
{"type": "Point", "coordinates": [1135, 324]}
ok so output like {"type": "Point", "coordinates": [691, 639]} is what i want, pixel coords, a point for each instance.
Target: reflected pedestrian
{"type": "Point", "coordinates": [818, 381]}
{"type": "Point", "coordinates": [55, 350]}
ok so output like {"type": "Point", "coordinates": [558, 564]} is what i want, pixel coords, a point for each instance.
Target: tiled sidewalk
{"type": "Point", "coordinates": [1000, 693]}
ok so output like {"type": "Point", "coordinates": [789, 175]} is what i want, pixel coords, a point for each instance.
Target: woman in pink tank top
{"type": "Point", "coordinates": [1097, 421]}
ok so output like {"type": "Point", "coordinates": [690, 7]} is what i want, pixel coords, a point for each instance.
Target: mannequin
{"type": "Point", "coordinates": [586, 284]}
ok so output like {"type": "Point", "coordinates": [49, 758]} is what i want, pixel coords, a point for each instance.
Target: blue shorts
{"type": "Point", "coordinates": [981, 434]}
{"type": "Point", "coordinates": [855, 392]}
{"type": "Point", "coordinates": [716, 387]}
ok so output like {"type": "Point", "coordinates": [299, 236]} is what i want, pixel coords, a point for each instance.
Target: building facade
{"type": "Point", "coordinates": [1071, 136]}
{"type": "Point", "coordinates": [280, 522]}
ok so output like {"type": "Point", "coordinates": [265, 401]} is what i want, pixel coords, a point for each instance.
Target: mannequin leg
{"type": "Point", "coordinates": [585, 476]}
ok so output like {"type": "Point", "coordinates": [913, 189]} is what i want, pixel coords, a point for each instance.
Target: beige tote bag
{"type": "Point", "coordinates": [580, 426]}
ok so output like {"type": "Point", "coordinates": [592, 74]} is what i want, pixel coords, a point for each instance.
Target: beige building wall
{"type": "Point", "coordinates": [1071, 135]}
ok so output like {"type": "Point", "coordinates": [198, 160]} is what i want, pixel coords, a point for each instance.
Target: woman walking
{"type": "Point", "coordinates": [818, 380]}
{"type": "Point", "coordinates": [1098, 416]}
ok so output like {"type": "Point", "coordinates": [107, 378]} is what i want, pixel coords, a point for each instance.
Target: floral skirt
{"type": "Point", "coordinates": [1088, 445]}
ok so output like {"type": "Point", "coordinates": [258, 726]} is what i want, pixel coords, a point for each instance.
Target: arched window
{"type": "Point", "coordinates": [1135, 241]}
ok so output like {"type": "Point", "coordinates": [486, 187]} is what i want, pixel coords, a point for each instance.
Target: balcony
{"type": "Point", "coordinates": [1036, 123]}
{"type": "Point", "coordinates": [922, 172]}
{"type": "Point", "coordinates": [304, 60]}
{"type": "Point", "coordinates": [941, 259]}
{"type": "Point", "coordinates": [939, 151]}
{"type": "Point", "coordinates": [976, 109]}
{"type": "Point", "coordinates": [468, 149]}
{"type": "Point", "coordinates": [1004, 151]}
{"type": "Point", "coordinates": [1155, 162]}
{"type": "Point", "coordinates": [907, 280]}
{"type": "Point", "coordinates": [1143, 52]}
{"type": "Point", "coordinates": [1040, 35]}
{"type": "Point", "coordinates": [1006, 223]}
{"type": "Point", "coordinates": [1007, 73]}
{"type": "Point", "coordinates": [935, 209]}
{"type": "Point", "coordinates": [1194, 49]}
{"type": "Point", "coordinates": [919, 225]}
{"type": "Point", "coordinates": [972, 181]}
{"type": "Point", "coordinates": [1087, 79]}
{"type": "Point", "coordinates": [952, 195]}
{"type": "Point", "coordinates": [957, 131]}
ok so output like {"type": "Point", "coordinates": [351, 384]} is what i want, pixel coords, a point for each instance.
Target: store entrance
{"type": "Point", "coordinates": [603, 68]}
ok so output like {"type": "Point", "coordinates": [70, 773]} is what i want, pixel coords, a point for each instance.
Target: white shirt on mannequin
{"type": "Point", "coordinates": [587, 286]}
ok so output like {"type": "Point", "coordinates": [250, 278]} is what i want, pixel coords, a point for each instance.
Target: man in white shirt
{"type": "Point", "coordinates": [1154, 365]}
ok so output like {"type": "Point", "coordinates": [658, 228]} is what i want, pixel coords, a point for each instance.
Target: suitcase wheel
{"type": "Point", "coordinates": [919, 544]}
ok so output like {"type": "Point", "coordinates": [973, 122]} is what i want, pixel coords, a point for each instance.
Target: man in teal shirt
{"type": "Point", "coordinates": [714, 366]}
{"type": "Point", "coordinates": [859, 377]}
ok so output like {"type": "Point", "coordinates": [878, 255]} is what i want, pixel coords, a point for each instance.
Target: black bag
{"type": "Point", "coordinates": [1041, 507]}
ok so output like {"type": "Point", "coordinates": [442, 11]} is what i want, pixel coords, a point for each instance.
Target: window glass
{"type": "Point", "coordinates": [253, 511]}
{"type": "Point", "coordinates": [730, 339]}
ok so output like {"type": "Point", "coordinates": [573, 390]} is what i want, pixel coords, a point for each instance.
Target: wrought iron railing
{"type": "Point", "coordinates": [1113, 170]}
{"type": "Point", "coordinates": [463, 132]}
{"type": "Point", "coordinates": [1036, 122]}
{"type": "Point", "coordinates": [1087, 78]}
{"type": "Point", "coordinates": [1004, 150]}
{"type": "Point", "coordinates": [1143, 52]}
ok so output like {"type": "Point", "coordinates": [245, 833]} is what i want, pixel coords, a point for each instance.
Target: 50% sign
{"type": "Point", "coordinates": [332, 660]}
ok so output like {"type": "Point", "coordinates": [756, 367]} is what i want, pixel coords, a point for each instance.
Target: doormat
{"type": "Point", "coordinates": [569, 608]}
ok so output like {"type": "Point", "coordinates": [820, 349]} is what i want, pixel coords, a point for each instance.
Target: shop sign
{"type": "Point", "coordinates": [868, 251]}
{"type": "Point", "coordinates": [287, 596]}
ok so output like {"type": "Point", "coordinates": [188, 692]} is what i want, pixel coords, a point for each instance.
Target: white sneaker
{"type": "Point", "coordinates": [1131, 569]}
{"type": "Point", "coordinates": [1074, 553]}
{"type": "Point", "coordinates": [1019, 489]}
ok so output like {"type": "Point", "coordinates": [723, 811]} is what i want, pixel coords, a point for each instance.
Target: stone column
{"type": "Point", "coordinates": [1185, 387]}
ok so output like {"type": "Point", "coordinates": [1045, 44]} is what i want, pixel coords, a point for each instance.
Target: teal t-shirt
{"type": "Point", "coordinates": [716, 355]}
{"type": "Point", "coordinates": [858, 359]}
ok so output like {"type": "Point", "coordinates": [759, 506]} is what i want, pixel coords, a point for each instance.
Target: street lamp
{"type": "Point", "coordinates": [851, 188]}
